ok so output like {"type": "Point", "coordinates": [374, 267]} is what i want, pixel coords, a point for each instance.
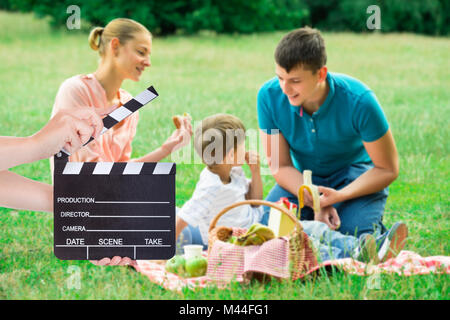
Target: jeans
{"type": "Point", "coordinates": [358, 216]}
{"type": "Point", "coordinates": [329, 244]}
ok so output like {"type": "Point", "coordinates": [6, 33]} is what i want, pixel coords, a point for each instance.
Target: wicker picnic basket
{"type": "Point", "coordinates": [300, 256]}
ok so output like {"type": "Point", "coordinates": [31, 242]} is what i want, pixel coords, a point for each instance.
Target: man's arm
{"type": "Point", "coordinates": [288, 177]}
{"type": "Point", "coordinates": [280, 164]}
{"type": "Point", "coordinates": [383, 153]}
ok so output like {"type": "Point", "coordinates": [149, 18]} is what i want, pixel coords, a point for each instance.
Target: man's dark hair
{"type": "Point", "coordinates": [302, 47]}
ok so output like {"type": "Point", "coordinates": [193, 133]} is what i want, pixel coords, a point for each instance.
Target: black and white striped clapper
{"type": "Point", "coordinates": [120, 114]}
{"type": "Point", "coordinates": [108, 209]}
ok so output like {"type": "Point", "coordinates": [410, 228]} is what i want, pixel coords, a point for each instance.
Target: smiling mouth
{"type": "Point", "coordinates": [140, 70]}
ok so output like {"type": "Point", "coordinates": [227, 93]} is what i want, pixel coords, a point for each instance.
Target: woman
{"type": "Point", "coordinates": [124, 46]}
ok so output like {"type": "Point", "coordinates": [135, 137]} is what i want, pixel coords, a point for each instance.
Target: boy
{"type": "Point", "coordinates": [222, 182]}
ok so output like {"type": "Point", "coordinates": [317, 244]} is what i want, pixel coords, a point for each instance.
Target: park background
{"type": "Point", "coordinates": [209, 57]}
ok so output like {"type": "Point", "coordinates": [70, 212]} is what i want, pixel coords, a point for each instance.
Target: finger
{"type": "Point", "coordinates": [115, 261]}
{"type": "Point", "coordinates": [327, 222]}
{"type": "Point", "coordinates": [322, 189]}
{"type": "Point", "coordinates": [183, 123]}
{"type": "Point", "coordinates": [187, 121]}
{"type": "Point", "coordinates": [83, 130]}
{"type": "Point", "coordinates": [106, 110]}
{"type": "Point", "coordinates": [336, 219]}
{"type": "Point", "coordinates": [97, 123]}
{"type": "Point", "coordinates": [189, 125]}
{"type": "Point", "coordinates": [330, 222]}
{"type": "Point", "coordinates": [102, 262]}
{"type": "Point", "coordinates": [125, 262]}
{"type": "Point", "coordinates": [90, 115]}
{"type": "Point", "coordinates": [73, 141]}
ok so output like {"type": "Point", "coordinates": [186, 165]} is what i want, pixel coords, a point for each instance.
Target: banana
{"type": "Point", "coordinates": [312, 189]}
{"type": "Point", "coordinates": [255, 235]}
{"type": "Point", "coordinates": [265, 233]}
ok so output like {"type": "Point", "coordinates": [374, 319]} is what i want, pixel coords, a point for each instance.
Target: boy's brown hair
{"type": "Point", "coordinates": [216, 135]}
{"type": "Point", "coordinates": [303, 47]}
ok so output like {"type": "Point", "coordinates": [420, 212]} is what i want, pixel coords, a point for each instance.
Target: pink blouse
{"type": "Point", "coordinates": [115, 144]}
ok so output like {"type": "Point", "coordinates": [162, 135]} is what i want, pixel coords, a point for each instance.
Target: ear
{"type": "Point", "coordinates": [323, 73]}
{"type": "Point", "coordinates": [115, 44]}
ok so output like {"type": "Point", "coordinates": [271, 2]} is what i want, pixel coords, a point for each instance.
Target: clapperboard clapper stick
{"type": "Point", "coordinates": [107, 209]}
{"type": "Point", "coordinates": [120, 114]}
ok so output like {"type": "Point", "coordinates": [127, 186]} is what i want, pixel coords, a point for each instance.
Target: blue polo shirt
{"type": "Point", "coordinates": [332, 137]}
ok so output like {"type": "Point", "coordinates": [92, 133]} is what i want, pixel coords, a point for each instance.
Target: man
{"type": "Point", "coordinates": [331, 124]}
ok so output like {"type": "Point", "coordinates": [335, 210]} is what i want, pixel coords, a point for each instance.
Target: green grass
{"type": "Point", "coordinates": [203, 75]}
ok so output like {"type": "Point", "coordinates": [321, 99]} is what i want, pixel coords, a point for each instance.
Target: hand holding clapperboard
{"type": "Point", "coordinates": [107, 209]}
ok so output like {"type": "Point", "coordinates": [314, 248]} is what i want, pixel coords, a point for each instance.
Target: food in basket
{"type": "Point", "coordinates": [257, 234]}
{"type": "Point", "coordinates": [224, 233]}
{"type": "Point", "coordinates": [280, 223]}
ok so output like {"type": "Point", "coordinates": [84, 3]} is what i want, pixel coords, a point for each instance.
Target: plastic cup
{"type": "Point", "coordinates": [192, 251]}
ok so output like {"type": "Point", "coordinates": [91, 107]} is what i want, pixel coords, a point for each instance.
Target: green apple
{"type": "Point", "coordinates": [176, 265]}
{"type": "Point", "coordinates": [196, 267]}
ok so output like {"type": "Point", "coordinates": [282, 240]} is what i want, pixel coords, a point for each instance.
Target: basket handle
{"type": "Point", "coordinates": [255, 202]}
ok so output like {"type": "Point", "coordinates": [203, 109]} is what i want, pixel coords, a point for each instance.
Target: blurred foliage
{"type": "Point", "coordinates": [428, 17]}
{"type": "Point", "coordinates": [167, 17]}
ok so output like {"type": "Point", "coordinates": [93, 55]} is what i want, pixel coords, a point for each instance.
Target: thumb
{"type": "Point", "coordinates": [106, 110]}
{"type": "Point", "coordinates": [336, 219]}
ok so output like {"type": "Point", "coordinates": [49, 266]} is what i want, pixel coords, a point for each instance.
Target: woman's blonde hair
{"type": "Point", "coordinates": [216, 136]}
{"type": "Point", "coordinates": [121, 28]}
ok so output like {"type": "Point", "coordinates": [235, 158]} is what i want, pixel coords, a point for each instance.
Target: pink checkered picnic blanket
{"type": "Point", "coordinates": [407, 263]}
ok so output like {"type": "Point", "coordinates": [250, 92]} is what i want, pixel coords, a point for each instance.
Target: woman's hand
{"type": "Point", "coordinates": [329, 216]}
{"type": "Point", "coordinates": [179, 138]}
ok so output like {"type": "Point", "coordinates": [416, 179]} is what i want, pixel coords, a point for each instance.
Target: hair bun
{"type": "Point", "coordinates": [94, 38]}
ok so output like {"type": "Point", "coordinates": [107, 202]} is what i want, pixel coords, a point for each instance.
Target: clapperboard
{"type": "Point", "coordinates": [107, 209]}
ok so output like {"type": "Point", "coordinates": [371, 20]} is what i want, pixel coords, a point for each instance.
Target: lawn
{"type": "Point", "coordinates": [207, 74]}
